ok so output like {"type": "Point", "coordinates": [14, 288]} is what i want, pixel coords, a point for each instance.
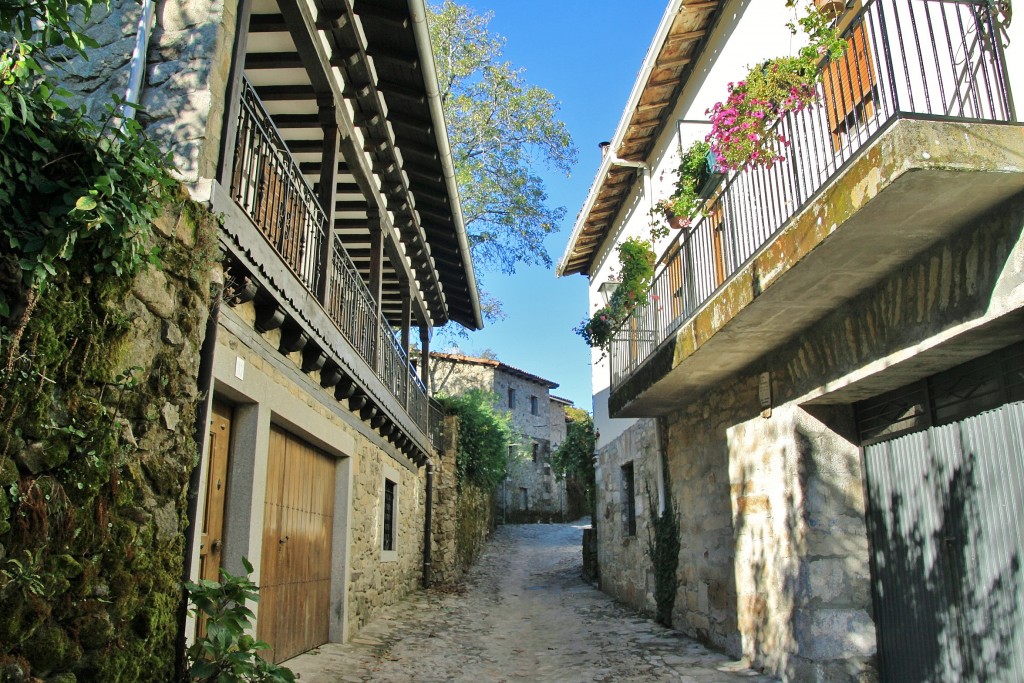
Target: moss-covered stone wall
{"type": "Point", "coordinates": [98, 399]}
{"type": "Point", "coordinates": [463, 516]}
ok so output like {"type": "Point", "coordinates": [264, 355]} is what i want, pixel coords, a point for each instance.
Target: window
{"type": "Point", "coordinates": [849, 84]}
{"type": "Point", "coordinates": [511, 398]}
{"type": "Point", "coordinates": [628, 500]}
{"type": "Point", "coordinates": [536, 450]}
{"type": "Point", "coordinates": [390, 489]}
{"type": "Point", "coordinates": [524, 498]}
{"type": "Point", "coordinates": [534, 403]}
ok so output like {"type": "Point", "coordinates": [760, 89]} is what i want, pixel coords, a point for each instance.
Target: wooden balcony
{"type": "Point", "coordinates": [304, 283]}
{"type": "Point", "coordinates": [913, 135]}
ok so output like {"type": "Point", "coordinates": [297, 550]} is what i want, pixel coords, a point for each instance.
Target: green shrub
{"type": "Point", "coordinates": [484, 437]}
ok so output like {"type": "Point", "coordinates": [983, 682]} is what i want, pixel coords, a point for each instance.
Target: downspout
{"type": "Point", "coordinates": [427, 521]}
{"type": "Point", "coordinates": [204, 383]}
{"type": "Point", "coordinates": [615, 161]}
{"type": "Point", "coordinates": [138, 64]}
{"type": "Point", "coordinates": [418, 12]}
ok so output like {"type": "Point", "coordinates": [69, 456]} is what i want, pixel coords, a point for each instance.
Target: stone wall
{"type": "Point", "coordinates": [187, 73]}
{"type": "Point", "coordinates": [624, 562]}
{"type": "Point", "coordinates": [774, 558]}
{"type": "Point", "coordinates": [463, 517]}
{"type": "Point", "coordinates": [99, 402]}
{"type": "Point", "coordinates": [374, 580]}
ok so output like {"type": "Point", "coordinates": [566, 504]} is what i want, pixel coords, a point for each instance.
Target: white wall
{"type": "Point", "coordinates": [748, 33]}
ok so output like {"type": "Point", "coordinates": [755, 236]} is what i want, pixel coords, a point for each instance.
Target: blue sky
{"type": "Point", "coordinates": [588, 54]}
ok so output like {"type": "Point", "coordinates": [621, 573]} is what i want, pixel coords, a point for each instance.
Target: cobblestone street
{"type": "Point", "coordinates": [525, 615]}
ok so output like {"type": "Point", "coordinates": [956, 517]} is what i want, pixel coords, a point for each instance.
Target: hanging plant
{"type": "Point", "coordinates": [697, 171]}
{"type": "Point", "coordinates": [744, 133]}
{"type": "Point", "coordinates": [636, 270]}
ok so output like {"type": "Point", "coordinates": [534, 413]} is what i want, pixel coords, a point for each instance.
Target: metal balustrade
{"type": "Point", "coordinates": [268, 185]}
{"type": "Point", "coordinates": [934, 59]}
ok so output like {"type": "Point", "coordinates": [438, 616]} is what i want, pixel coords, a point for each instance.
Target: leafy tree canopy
{"type": "Point", "coordinates": [574, 457]}
{"type": "Point", "coordinates": [501, 128]}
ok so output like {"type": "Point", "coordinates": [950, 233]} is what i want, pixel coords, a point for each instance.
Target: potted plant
{"type": "Point", "coordinates": [743, 127]}
{"type": "Point", "coordinates": [830, 9]}
{"type": "Point", "coordinates": [636, 270]}
{"type": "Point", "coordinates": [698, 173]}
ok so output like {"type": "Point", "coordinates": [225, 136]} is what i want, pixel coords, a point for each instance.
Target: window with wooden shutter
{"type": "Point", "coordinates": [849, 87]}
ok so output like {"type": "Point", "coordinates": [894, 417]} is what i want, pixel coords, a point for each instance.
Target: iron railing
{"type": "Point", "coordinates": [269, 187]}
{"type": "Point", "coordinates": [934, 59]}
{"type": "Point", "coordinates": [436, 425]}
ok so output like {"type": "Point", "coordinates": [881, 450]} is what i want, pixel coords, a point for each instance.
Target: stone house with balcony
{"type": "Point", "coordinates": [532, 491]}
{"type": "Point", "coordinates": [828, 378]}
{"type": "Point", "coordinates": [314, 129]}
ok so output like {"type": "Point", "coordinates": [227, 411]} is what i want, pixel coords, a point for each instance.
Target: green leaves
{"type": "Point", "coordinates": [501, 128]}
{"type": "Point", "coordinates": [227, 652]}
{"type": "Point", "coordinates": [76, 194]}
{"type": "Point", "coordinates": [484, 438]}
{"type": "Point", "coordinates": [636, 270]}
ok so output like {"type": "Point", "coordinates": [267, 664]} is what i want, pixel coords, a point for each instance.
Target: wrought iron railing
{"type": "Point", "coordinates": [436, 425]}
{"type": "Point", "coordinates": [269, 187]}
{"type": "Point", "coordinates": [934, 59]}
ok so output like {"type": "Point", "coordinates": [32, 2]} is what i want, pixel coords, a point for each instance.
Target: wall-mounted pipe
{"type": "Point", "coordinates": [138, 63]}
{"type": "Point", "coordinates": [428, 514]}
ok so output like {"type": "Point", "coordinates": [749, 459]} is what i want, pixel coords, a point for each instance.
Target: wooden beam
{"type": "Point", "coordinates": [273, 60]}
{"type": "Point", "coordinates": [267, 23]}
{"type": "Point", "coordinates": [285, 93]}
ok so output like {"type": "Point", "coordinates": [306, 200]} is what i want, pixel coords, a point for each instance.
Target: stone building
{"type": "Point", "coordinates": [826, 378]}
{"type": "Point", "coordinates": [532, 491]}
{"type": "Point", "coordinates": [315, 131]}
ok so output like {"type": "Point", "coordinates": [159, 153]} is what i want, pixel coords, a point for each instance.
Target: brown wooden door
{"type": "Point", "coordinates": [295, 569]}
{"type": "Point", "coordinates": [211, 540]}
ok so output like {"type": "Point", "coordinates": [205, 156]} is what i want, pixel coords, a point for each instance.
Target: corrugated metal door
{"type": "Point", "coordinates": [946, 519]}
{"type": "Point", "coordinates": [295, 569]}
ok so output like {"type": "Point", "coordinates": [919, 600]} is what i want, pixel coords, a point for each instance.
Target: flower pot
{"type": "Point", "coordinates": [711, 176]}
{"type": "Point", "coordinates": [677, 222]}
{"type": "Point", "coordinates": [830, 8]}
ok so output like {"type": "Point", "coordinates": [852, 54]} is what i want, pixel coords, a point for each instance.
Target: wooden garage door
{"type": "Point", "coordinates": [295, 572]}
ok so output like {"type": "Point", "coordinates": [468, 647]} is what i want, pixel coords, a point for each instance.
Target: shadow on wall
{"type": "Point", "coordinates": [801, 558]}
{"type": "Point", "coordinates": [947, 570]}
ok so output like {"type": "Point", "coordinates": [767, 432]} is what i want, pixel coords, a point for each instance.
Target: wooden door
{"type": "Point", "coordinates": [295, 569]}
{"type": "Point", "coordinates": [211, 539]}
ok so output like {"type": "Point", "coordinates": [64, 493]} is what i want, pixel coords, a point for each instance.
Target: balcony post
{"type": "Point", "coordinates": [327, 184]}
{"type": "Point", "coordinates": [406, 324]}
{"type": "Point", "coordinates": [376, 225]}
{"type": "Point", "coordinates": [425, 358]}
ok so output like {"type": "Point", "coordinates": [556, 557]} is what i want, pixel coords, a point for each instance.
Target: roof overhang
{"type": "Point", "coordinates": [373, 60]}
{"type": "Point", "coordinates": [677, 45]}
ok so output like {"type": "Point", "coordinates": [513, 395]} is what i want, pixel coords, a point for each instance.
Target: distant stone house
{"type": "Point", "coordinates": [532, 491]}
{"type": "Point", "coordinates": [316, 132]}
{"type": "Point", "coordinates": [827, 379]}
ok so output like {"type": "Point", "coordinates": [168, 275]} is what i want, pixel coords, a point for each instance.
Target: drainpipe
{"type": "Point", "coordinates": [204, 384]}
{"type": "Point", "coordinates": [615, 161]}
{"type": "Point", "coordinates": [138, 64]}
{"type": "Point", "coordinates": [427, 520]}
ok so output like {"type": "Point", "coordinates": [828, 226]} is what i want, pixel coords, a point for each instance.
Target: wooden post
{"type": "Point", "coordinates": [406, 324]}
{"type": "Point", "coordinates": [376, 225]}
{"type": "Point", "coordinates": [425, 357]}
{"type": "Point", "coordinates": [328, 182]}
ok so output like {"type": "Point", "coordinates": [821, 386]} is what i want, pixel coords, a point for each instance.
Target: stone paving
{"type": "Point", "coordinates": [523, 614]}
